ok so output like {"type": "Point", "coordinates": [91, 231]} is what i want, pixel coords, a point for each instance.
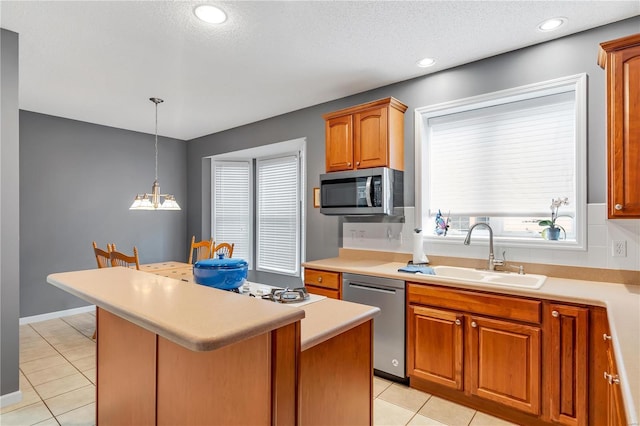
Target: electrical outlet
{"type": "Point", "coordinates": [619, 248]}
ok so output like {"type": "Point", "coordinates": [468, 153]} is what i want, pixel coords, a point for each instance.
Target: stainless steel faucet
{"type": "Point", "coordinates": [493, 262]}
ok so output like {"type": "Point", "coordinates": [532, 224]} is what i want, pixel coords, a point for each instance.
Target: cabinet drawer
{"type": "Point", "coordinates": [324, 279]}
{"type": "Point", "coordinates": [475, 302]}
{"type": "Point", "coordinates": [331, 294]}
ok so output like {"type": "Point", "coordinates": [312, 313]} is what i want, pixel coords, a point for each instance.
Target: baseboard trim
{"type": "Point", "coordinates": [10, 399]}
{"type": "Point", "coordinates": [57, 314]}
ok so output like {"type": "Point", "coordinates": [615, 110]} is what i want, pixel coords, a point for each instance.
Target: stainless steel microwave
{"type": "Point", "coordinates": [376, 191]}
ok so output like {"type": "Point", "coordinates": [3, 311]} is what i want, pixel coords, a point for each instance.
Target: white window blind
{"type": "Point", "coordinates": [278, 215]}
{"type": "Point", "coordinates": [509, 159]}
{"type": "Point", "coordinates": [232, 205]}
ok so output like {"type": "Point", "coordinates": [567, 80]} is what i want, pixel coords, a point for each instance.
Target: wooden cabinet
{"type": "Point", "coordinates": [454, 343]}
{"type": "Point", "coordinates": [526, 360]}
{"type": "Point", "coordinates": [324, 283]}
{"type": "Point", "coordinates": [621, 60]}
{"type": "Point", "coordinates": [567, 358]}
{"type": "Point", "coordinates": [365, 136]}
{"type": "Point", "coordinates": [615, 408]}
{"type": "Point", "coordinates": [504, 362]}
{"type": "Point", "coordinates": [442, 362]}
{"type": "Point", "coordinates": [606, 406]}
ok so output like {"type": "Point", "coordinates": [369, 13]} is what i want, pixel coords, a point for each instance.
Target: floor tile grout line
{"type": "Point", "coordinates": [73, 409]}
{"type": "Point", "coordinates": [66, 359]}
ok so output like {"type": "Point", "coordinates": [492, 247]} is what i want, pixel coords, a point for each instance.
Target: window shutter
{"type": "Point", "coordinates": [232, 205]}
{"type": "Point", "coordinates": [505, 160]}
{"type": "Point", "coordinates": [278, 226]}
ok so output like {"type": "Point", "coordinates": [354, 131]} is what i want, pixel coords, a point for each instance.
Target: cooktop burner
{"type": "Point", "coordinates": [287, 295]}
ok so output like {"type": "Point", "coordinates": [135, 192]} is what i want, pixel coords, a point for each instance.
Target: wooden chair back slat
{"type": "Point", "coordinates": [224, 248]}
{"type": "Point", "coordinates": [102, 257]}
{"type": "Point", "coordinates": [202, 249]}
{"type": "Point", "coordinates": [121, 259]}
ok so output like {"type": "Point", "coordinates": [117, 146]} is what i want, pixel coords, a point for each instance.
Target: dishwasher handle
{"type": "Point", "coordinates": [370, 288]}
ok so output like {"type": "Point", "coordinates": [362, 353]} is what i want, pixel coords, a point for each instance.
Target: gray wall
{"type": "Point", "coordinates": [77, 181]}
{"type": "Point", "coordinates": [9, 214]}
{"type": "Point", "coordinates": [558, 58]}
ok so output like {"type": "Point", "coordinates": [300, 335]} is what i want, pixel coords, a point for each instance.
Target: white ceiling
{"type": "Point", "coordinates": [100, 61]}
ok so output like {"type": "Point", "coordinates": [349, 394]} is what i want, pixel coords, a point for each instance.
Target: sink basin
{"type": "Point", "coordinates": [497, 278]}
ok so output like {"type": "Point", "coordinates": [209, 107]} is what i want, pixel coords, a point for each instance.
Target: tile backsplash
{"type": "Point", "coordinates": [602, 234]}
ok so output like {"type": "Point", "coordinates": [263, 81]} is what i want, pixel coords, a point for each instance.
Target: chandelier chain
{"type": "Point", "coordinates": [156, 140]}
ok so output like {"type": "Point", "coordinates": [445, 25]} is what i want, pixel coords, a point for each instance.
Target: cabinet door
{"type": "Point", "coordinates": [371, 138]}
{"type": "Point", "coordinates": [623, 85]}
{"type": "Point", "coordinates": [567, 354]}
{"type": "Point", "coordinates": [339, 143]}
{"type": "Point", "coordinates": [435, 346]}
{"type": "Point", "coordinates": [615, 407]}
{"type": "Point", "coordinates": [504, 363]}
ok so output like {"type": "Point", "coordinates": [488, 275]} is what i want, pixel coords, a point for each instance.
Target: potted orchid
{"type": "Point", "coordinates": [552, 230]}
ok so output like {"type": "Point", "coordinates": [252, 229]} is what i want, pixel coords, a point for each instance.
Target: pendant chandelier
{"type": "Point", "coordinates": [155, 200]}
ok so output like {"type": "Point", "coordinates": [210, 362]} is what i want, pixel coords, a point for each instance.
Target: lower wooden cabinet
{"type": "Point", "coordinates": [442, 362]}
{"type": "Point", "coordinates": [526, 360]}
{"type": "Point", "coordinates": [606, 406]}
{"type": "Point", "coordinates": [567, 358]}
{"type": "Point", "coordinates": [504, 362]}
{"type": "Point", "coordinates": [324, 283]}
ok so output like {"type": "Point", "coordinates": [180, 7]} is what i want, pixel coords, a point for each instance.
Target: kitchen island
{"type": "Point", "coordinates": [170, 352]}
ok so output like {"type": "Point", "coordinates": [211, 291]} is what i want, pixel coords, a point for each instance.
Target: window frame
{"type": "Point", "coordinates": [576, 83]}
{"type": "Point", "coordinates": [290, 147]}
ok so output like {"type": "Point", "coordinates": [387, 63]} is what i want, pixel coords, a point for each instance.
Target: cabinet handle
{"type": "Point", "coordinates": [474, 324]}
{"type": "Point", "coordinates": [349, 164]}
{"type": "Point", "coordinates": [555, 314]}
{"type": "Point", "coordinates": [319, 279]}
{"type": "Point", "coordinates": [611, 379]}
{"type": "Point", "coordinates": [458, 322]}
{"type": "Point", "coordinates": [618, 206]}
{"type": "Point", "coordinates": [357, 163]}
{"type": "Point", "coordinates": [606, 337]}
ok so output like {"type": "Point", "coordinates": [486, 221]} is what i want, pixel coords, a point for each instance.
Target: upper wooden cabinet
{"type": "Point", "coordinates": [365, 136]}
{"type": "Point", "coordinates": [621, 60]}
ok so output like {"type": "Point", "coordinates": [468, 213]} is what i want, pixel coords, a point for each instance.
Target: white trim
{"type": "Point", "coordinates": [57, 314]}
{"type": "Point", "coordinates": [10, 398]}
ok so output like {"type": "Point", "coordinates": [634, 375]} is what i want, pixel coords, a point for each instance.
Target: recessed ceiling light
{"type": "Point", "coordinates": [551, 24]}
{"type": "Point", "coordinates": [426, 62]}
{"type": "Point", "coordinates": [210, 14]}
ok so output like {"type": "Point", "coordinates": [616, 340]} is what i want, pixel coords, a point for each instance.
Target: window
{"type": "Point", "coordinates": [501, 158]}
{"type": "Point", "coordinates": [232, 205]}
{"type": "Point", "coordinates": [256, 203]}
{"type": "Point", "coordinates": [278, 215]}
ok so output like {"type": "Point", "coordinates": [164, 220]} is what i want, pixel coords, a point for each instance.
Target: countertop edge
{"type": "Point", "coordinates": [190, 342]}
{"type": "Point", "coordinates": [309, 342]}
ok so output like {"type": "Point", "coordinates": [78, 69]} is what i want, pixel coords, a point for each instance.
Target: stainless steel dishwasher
{"type": "Point", "coordinates": [389, 330]}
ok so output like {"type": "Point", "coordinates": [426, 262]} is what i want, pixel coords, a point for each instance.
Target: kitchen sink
{"type": "Point", "coordinates": [497, 278]}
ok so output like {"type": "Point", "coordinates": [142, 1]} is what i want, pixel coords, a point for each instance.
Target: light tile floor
{"type": "Point", "coordinates": [58, 375]}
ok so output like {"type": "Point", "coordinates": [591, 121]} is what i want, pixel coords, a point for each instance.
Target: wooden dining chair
{"type": "Point", "coordinates": [121, 259]}
{"type": "Point", "coordinates": [102, 257]}
{"type": "Point", "coordinates": [202, 248]}
{"type": "Point", "coordinates": [224, 248]}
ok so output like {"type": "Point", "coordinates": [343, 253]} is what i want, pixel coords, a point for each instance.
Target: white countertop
{"type": "Point", "coordinates": [197, 317]}
{"type": "Point", "coordinates": [621, 300]}
{"type": "Point", "coordinates": [201, 318]}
